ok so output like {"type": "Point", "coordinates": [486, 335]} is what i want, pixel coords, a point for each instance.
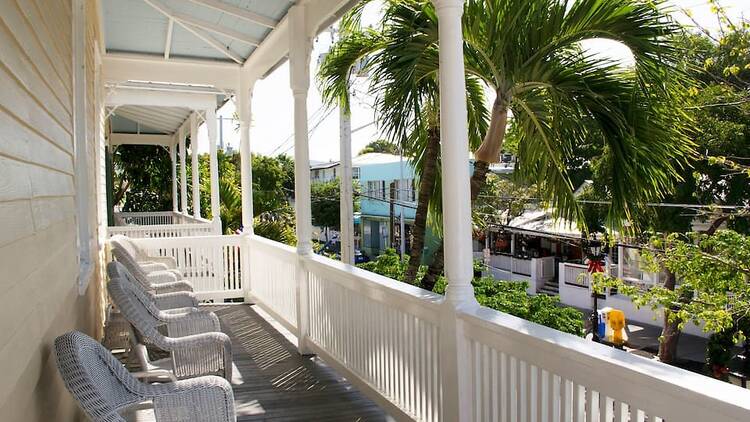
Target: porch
{"type": "Point", "coordinates": [273, 382]}
{"type": "Point", "coordinates": [387, 339]}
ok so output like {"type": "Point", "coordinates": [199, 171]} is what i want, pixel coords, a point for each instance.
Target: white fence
{"type": "Point", "coordinates": [389, 339]}
{"type": "Point", "coordinates": [385, 337]}
{"type": "Point", "coordinates": [161, 224]}
{"type": "Point", "coordinates": [214, 264]}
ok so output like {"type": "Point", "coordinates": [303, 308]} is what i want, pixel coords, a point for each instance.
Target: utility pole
{"type": "Point", "coordinates": [402, 229]}
{"type": "Point", "coordinates": [393, 214]}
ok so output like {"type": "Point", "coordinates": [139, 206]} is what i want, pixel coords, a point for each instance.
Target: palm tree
{"type": "Point", "coordinates": [406, 105]}
{"type": "Point", "coordinates": [529, 54]}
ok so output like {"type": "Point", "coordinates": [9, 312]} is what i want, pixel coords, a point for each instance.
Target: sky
{"type": "Point", "coordinates": [271, 130]}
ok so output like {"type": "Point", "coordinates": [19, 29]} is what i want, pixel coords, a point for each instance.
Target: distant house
{"type": "Point", "coordinates": [324, 172]}
{"type": "Point", "coordinates": [381, 177]}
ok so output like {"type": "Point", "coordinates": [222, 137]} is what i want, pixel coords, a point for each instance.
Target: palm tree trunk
{"type": "Point", "coordinates": [426, 187]}
{"type": "Point", "coordinates": [488, 152]}
{"type": "Point", "coordinates": [435, 269]}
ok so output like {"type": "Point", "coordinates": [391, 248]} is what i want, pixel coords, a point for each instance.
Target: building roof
{"type": "Point", "coordinates": [376, 158]}
{"type": "Point", "coordinates": [543, 223]}
{"type": "Point", "coordinates": [323, 165]}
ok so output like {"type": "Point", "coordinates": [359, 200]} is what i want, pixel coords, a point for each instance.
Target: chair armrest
{"type": "Point", "coordinates": [175, 300]}
{"type": "Point", "coordinates": [165, 282]}
{"type": "Point", "coordinates": [201, 399]}
{"type": "Point", "coordinates": [201, 354]}
{"type": "Point", "coordinates": [151, 266]}
{"type": "Point", "coordinates": [169, 261]}
{"type": "Point", "coordinates": [186, 324]}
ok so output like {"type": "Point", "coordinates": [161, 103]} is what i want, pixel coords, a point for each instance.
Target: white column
{"type": "Point", "coordinates": [300, 45]}
{"type": "Point", "coordinates": [183, 172]}
{"type": "Point", "coordinates": [244, 104]}
{"type": "Point", "coordinates": [173, 157]}
{"type": "Point", "coordinates": [346, 200]}
{"type": "Point", "coordinates": [457, 389]}
{"type": "Point", "coordinates": [195, 165]}
{"type": "Point", "coordinates": [214, 168]}
{"type": "Point", "coordinates": [454, 139]}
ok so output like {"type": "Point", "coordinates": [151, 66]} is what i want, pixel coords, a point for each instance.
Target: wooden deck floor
{"type": "Point", "coordinates": [272, 382]}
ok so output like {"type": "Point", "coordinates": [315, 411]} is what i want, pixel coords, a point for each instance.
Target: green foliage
{"type": "Point", "coordinates": [511, 297]}
{"type": "Point", "coordinates": [325, 198]}
{"type": "Point", "coordinates": [504, 296]}
{"type": "Point", "coordinates": [500, 200]}
{"type": "Point", "coordinates": [711, 270]}
{"type": "Point", "coordinates": [278, 225]}
{"type": "Point", "coordinates": [269, 179]}
{"type": "Point", "coordinates": [142, 178]}
{"type": "Point", "coordinates": [381, 145]}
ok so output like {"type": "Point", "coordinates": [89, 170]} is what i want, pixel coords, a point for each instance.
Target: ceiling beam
{"type": "Point", "coordinates": [192, 101]}
{"type": "Point", "coordinates": [238, 12]}
{"type": "Point", "coordinates": [217, 29]}
{"type": "Point", "coordinates": [139, 139]}
{"type": "Point", "coordinates": [213, 42]}
{"type": "Point", "coordinates": [161, 8]}
{"type": "Point", "coordinates": [168, 43]}
{"type": "Point", "coordinates": [120, 68]}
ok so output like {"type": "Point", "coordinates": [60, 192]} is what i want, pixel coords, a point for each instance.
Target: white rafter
{"type": "Point", "coordinates": [168, 43]}
{"type": "Point", "coordinates": [164, 10]}
{"type": "Point", "coordinates": [238, 12]}
{"type": "Point", "coordinates": [217, 29]}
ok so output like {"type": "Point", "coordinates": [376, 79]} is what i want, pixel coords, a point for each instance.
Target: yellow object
{"type": "Point", "coordinates": [616, 321]}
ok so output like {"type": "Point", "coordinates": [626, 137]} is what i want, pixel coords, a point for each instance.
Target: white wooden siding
{"type": "Point", "coordinates": [38, 254]}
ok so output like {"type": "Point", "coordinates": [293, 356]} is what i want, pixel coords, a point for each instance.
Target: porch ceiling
{"type": "Point", "coordinates": [222, 30]}
{"type": "Point", "coordinates": [147, 120]}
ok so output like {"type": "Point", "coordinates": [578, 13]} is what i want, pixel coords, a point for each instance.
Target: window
{"type": "Point", "coordinates": [405, 188]}
{"type": "Point", "coordinates": [355, 173]}
{"type": "Point", "coordinates": [376, 189]}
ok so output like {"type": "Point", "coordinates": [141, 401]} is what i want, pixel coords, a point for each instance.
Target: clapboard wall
{"type": "Point", "coordinates": [39, 295]}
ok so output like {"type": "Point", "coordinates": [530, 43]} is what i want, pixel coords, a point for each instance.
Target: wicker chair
{"type": "Point", "coordinates": [160, 281]}
{"type": "Point", "coordinates": [193, 340]}
{"type": "Point", "coordinates": [104, 388]}
{"type": "Point", "coordinates": [142, 257]}
{"type": "Point", "coordinates": [166, 301]}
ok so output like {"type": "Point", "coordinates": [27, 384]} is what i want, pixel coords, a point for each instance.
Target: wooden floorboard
{"type": "Point", "coordinates": [272, 382]}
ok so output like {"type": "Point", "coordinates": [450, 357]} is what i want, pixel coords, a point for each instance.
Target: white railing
{"type": "Point", "coordinates": [160, 224]}
{"type": "Point", "coordinates": [163, 230]}
{"type": "Point", "coordinates": [521, 371]}
{"type": "Point", "coordinates": [213, 264]}
{"type": "Point", "coordinates": [575, 274]}
{"type": "Point", "coordinates": [382, 333]}
{"type": "Point", "coordinates": [145, 218]}
{"type": "Point", "coordinates": [273, 279]}
{"type": "Point", "coordinates": [522, 266]}
{"type": "Point", "coordinates": [387, 338]}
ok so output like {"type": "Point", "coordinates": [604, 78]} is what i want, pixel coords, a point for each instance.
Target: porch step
{"type": "Point", "coordinates": [550, 288]}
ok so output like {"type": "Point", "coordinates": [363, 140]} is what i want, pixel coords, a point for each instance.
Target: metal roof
{"type": "Point", "coordinates": [223, 30]}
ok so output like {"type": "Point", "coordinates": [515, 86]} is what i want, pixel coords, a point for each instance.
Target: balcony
{"type": "Point", "coordinates": [391, 341]}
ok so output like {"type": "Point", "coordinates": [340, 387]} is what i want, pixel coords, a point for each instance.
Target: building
{"type": "Point", "coordinates": [383, 347]}
{"type": "Point", "coordinates": [323, 172]}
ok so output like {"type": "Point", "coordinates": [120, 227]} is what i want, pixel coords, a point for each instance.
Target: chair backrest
{"type": "Point", "coordinates": [135, 311]}
{"type": "Point", "coordinates": [129, 262]}
{"type": "Point", "coordinates": [98, 381]}
{"type": "Point", "coordinates": [128, 245]}
{"type": "Point", "coordinates": [117, 270]}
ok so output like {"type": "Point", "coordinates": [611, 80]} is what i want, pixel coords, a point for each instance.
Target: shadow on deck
{"type": "Point", "coordinates": [272, 382]}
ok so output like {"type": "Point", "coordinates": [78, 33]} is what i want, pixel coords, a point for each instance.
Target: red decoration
{"type": "Point", "coordinates": [596, 266]}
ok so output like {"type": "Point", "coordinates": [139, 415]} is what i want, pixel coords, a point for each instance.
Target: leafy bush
{"type": "Point", "coordinates": [505, 296]}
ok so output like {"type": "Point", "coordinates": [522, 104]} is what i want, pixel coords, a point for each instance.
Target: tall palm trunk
{"type": "Point", "coordinates": [426, 188]}
{"type": "Point", "coordinates": [488, 152]}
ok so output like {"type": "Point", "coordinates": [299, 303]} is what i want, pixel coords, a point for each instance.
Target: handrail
{"type": "Point", "coordinates": [670, 393]}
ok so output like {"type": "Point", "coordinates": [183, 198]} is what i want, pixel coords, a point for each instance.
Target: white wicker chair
{"type": "Point", "coordinates": [160, 281]}
{"type": "Point", "coordinates": [104, 388]}
{"type": "Point", "coordinates": [142, 257]}
{"type": "Point", "coordinates": [165, 301]}
{"type": "Point", "coordinates": [193, 340]}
